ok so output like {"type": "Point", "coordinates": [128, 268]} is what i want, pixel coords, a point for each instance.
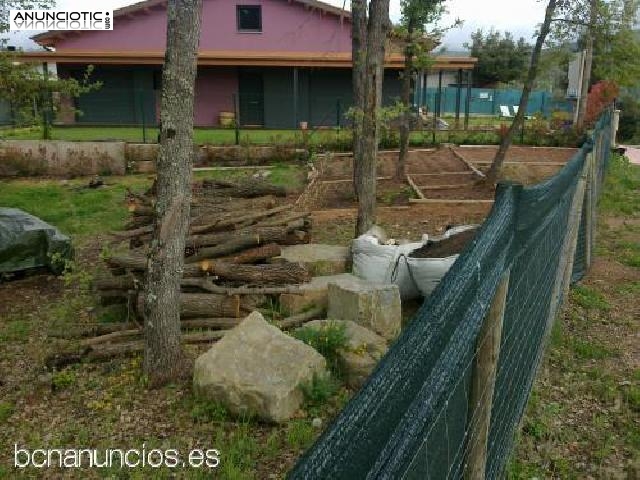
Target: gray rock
{"type": "Point", "coordinates": [257, 369]}
{"type": "Point", "coordinates": [319, 259]}
{"type": "Point", "coordinates": [363, 350]}
{"type": "Point", "coordinates": [313, 294]}
{"type": "Point", "coordinates": [375, 306]}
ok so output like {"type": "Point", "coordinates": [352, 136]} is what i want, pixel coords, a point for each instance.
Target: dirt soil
{"type": "Point", "coordinates": [445, 248]}
{"type": "Point", "coordinates": [438, 174]}
{"type": "Point", "coordinates": [337, 226]}
{"type": "Point", "coordinates": [518, 154]}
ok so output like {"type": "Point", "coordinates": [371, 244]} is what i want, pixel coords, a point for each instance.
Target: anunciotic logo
{"type": "Point", "coordinates": [61, 20]}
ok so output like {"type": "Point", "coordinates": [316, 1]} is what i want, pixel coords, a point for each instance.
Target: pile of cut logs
{"type": "Point", "coordinates": [235, 237]}
{"type": "Point", "coordinates": [231, 262]}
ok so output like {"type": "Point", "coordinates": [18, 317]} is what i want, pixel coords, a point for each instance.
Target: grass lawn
{"type": "Point", "coordinates": [217, 136]}
{"type": "Point", "coordinates": [201, 135]}
{"type": "Point", "coordinates": [82, 212]}
{"type": "Point", "coordinates": [583, 419]}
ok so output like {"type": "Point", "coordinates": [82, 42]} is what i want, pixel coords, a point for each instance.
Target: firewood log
{"type": "Point", "coordinates": [274, 274]}
{"type": "Point", "coordinates": [244, 190]}
{"type": "Point", "coordinates": [202, 305]}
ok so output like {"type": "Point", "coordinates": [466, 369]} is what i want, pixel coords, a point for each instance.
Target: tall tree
{"type": "Point", "coordinates": [27, 88]}
{"type": "Point", "coordinates": [501, 59]}
{"type": "Point", "coordinates": [416, 16]}
{"type": "Point", "coordinates": [369, 39]}
{"type": "Point", "coordinates": [588, 63]}
{"type": "Point", "coordinates": [163, 355]}
{"type": "Point", "coordinates": [498, 161]}
{"type": "Point", "coordinates": [605, 31]}
{"type": "Point", "coordinates": [617, 58]}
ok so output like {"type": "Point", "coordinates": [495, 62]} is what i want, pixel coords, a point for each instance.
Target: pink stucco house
{"type": "Point", "coordinates": [285, 61]}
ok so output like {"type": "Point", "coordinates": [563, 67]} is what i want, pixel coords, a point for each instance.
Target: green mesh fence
{"type": "Point", "coordinates": [412, 418]}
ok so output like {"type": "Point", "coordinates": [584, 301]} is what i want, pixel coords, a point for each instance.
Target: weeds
{"type": "Point", "coordinates": [328, 341]}
{"type": "Point", "coordinates": [63, 380]}
{"type": "Point", "coordinates": [205, 410]}
{"type": "Point", "coordinates": [591, 350]}
{"type": "Point", "coordinates": [320, 389]}
{"type": "Point", "coordinates": [15, 330]}
{"type": "Point", "coordinates": [589, 299]}
{"type": "Point", "coordinates": [6, 410]}
{"type": "Point", "coordinates": [300, 434]}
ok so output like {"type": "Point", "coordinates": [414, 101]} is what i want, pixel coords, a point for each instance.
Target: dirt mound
{"type": "Point", "coordinates": [444, 248]}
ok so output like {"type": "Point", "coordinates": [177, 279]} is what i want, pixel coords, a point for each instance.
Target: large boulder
{"type": "Point", "coordinates": [361, 354]}
{"type": "Point", "coordinates": [375, 306]}
{"type": "Point", "coordinates": [256, 369]}
{"type": "Point", "coordinates": [27, 242]}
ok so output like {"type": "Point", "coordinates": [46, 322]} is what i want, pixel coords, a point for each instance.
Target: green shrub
{"type": "Point", "coordinates": [629, 127]}
{"type": "Point", "coordinates": [328, 341]}
{"type": "Point", "coordinates": [63, 379]}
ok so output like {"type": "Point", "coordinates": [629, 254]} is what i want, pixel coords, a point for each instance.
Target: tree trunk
{"type": "Point", "coordinates": [377, 29]}
{"type": "Point", "coordinates": [359, 61]}
{"type": "Point", "coordinates": [405, 126]}
{"type": "Point", "coordinates": [164, 359]}
{"type": "Point", "coordinates": [518, 121]}
{"type": "Point", "coordinates": [588, 63]}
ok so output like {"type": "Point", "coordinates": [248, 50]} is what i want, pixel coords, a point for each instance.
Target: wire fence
{"type": "Point", "coordinates": [273, 113]}
{"type": "Point", "coordinates": [448, 398]}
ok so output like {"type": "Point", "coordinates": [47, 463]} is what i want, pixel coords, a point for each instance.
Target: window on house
{"type": "Point", "coordinates": [249, 18]}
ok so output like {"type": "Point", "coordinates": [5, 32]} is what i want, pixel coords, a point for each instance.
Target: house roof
{"type": "Point", "coordinates": [49, 38]}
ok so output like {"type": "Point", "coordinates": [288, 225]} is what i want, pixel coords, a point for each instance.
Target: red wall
{"type": "Point", "coordinates": [214, 89]}
{"type": "Point", "coordinates": [286, 27]}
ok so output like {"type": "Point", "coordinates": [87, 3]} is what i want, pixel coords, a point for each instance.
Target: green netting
{"type": "Point", "coordinates": [411, 420]}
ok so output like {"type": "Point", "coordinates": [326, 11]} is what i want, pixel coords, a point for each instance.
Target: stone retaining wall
{"type": "Point", "coordinates": [59, 158]}
{"type": "Point", "coordinates": [72, 159]}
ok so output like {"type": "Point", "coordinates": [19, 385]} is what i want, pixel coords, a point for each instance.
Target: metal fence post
{"type": "Point", "coordinates": [483, 382]}
{"type": "Point", "coordinates": [236, 113]}
{"type": "Point", "coordinates": [144, 126]}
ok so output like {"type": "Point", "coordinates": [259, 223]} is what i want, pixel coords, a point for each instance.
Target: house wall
{"type": "Point", "coordinates": [131, 95]}
{"type": "Point", "coordinates": [215, 87]}
{"type": "Point", "coordinates": [286, 27]}
{"type": "Point", "coordinates": [126, 96]}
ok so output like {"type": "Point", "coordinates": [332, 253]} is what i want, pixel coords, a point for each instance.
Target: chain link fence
{"type": "Point", "coordinates": [448, 398]}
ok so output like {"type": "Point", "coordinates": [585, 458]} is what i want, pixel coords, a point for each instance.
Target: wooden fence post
{"type": "Point", "coordinates": [589, 197]}
{"type": "Point", "coordinates": [483, 382]}
{"type": "Point", "coordinates": [568, 253]}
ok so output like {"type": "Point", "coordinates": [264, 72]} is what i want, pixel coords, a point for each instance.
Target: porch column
{"type": "Point", "coordinates": [467, 105]}
{"type": "Point", "coordinates": [458, 95]}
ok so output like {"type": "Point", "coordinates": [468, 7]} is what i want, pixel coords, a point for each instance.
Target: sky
{"type": "Point", "coordinates": [517, 16]}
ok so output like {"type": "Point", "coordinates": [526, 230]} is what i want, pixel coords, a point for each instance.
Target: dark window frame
{"type": "Point", "coordinates": [248, 30]}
